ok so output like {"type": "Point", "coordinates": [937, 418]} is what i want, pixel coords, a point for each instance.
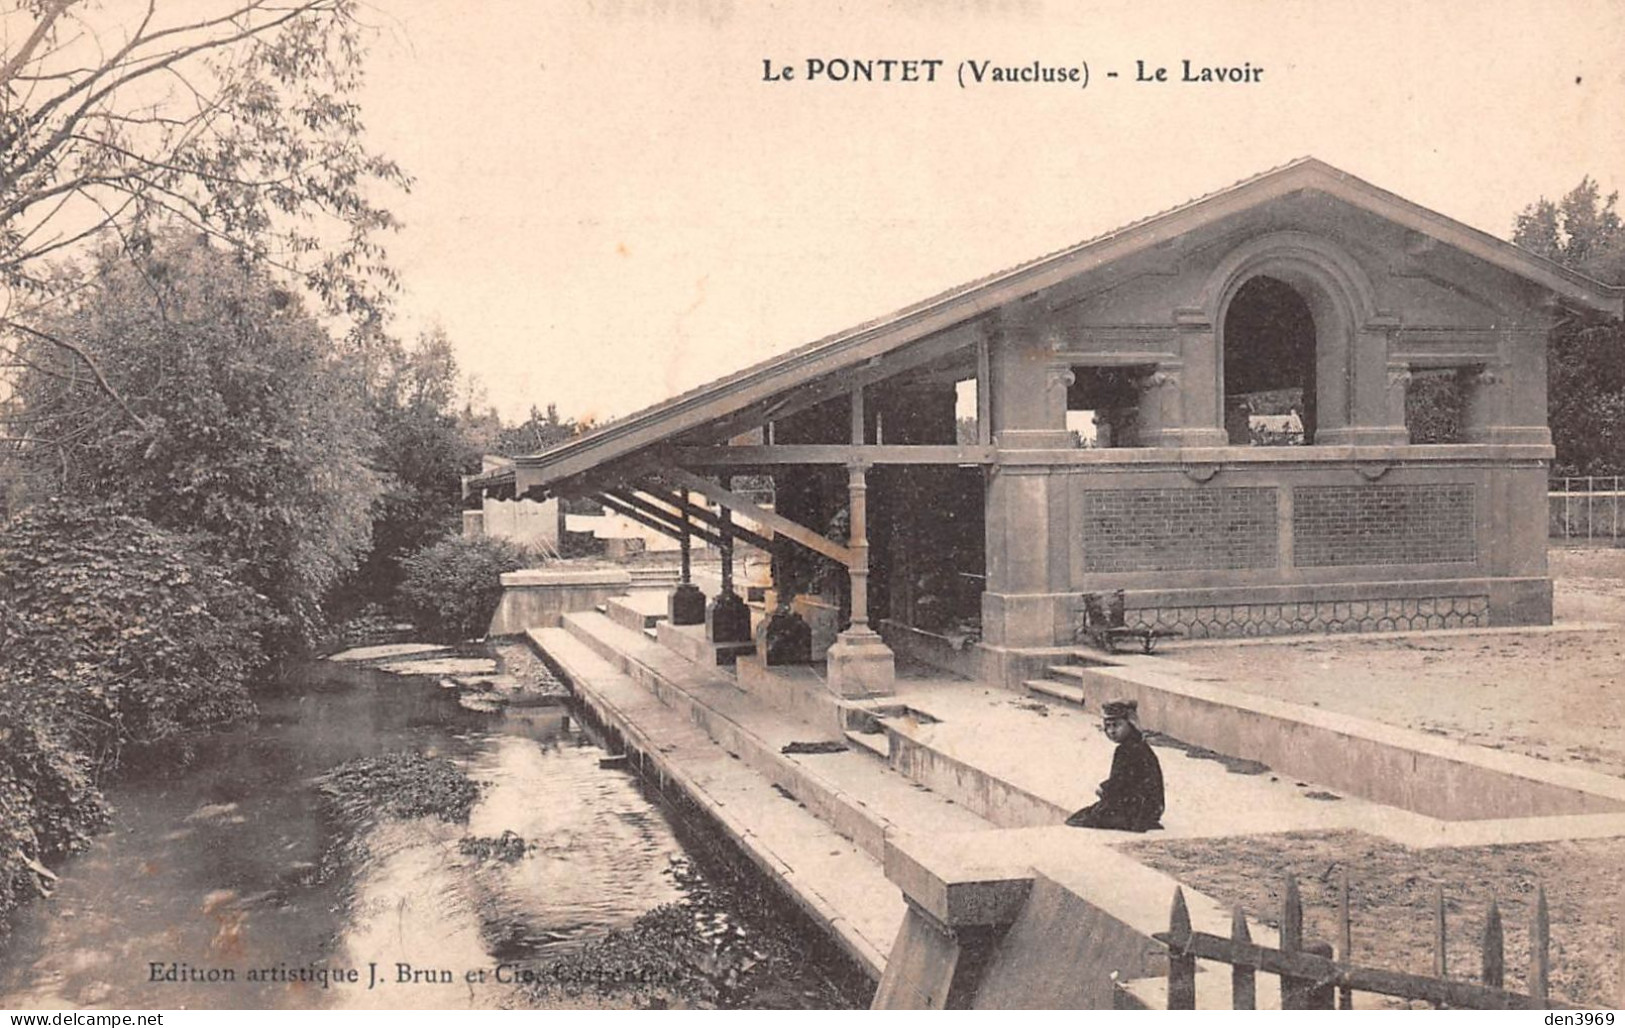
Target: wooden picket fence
{"type": "Point", "coordinates": [1311, 979]}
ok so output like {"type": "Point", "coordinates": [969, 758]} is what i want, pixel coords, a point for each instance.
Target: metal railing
{"type": "Point", "coordinates": [1586, 508]}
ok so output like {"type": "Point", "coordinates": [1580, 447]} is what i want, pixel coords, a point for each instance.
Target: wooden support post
{"type": "Point", "coordinates": [1345, 941]}
{"type": "Point", "coordinates": [1540, 957]}
{"type": "Point", "coordinates": [858, 495]}
{"type": "Point", "coordinates": [984, 392]}
{"type": "Point", "coordinates": [1181, 967]}
{"type": "Point", "coordinates": [726, 531]}
{"type": "Point", "coordinates": [1243, 977]}
{"type": "Point", "coordinates": [683, 546]}
{"type": "Point", "coordinates": [1294, 991]}
{"type": "Point", "coordinates": [1494, 949]}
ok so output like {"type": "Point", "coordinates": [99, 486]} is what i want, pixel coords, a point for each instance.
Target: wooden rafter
{"type": "Point", "coordinates": [675, 507]}
{"type": "Point", "coordinates": [777, 522]}
{"type": "Point", "coordinates": [663, 527]}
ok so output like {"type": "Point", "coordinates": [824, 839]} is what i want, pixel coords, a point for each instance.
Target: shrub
{"type": "Point", "coordinates": [452, 588]}
{"type": "Point", "coordinates": [49, 806]}
{"type": "Point", "coordinates": [113, 632]}
{"type": "Point", "coordinates": [125, 631]}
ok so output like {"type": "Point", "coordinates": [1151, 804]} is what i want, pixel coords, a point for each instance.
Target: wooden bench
{"type": "Point", "coordinates": [1106, 626]}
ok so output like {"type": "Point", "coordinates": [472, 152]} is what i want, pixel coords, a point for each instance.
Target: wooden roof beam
{"type": "Point", "coordinates": [780, 524]}
{"type": "Point", "coordinates": [816, 453]}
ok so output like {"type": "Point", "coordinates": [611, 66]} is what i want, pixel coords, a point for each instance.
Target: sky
{"type": "Point", "coordinates": [613, 205]}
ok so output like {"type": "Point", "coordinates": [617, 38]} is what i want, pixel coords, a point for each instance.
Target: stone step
{"type": "Point", "coordinates": [871, 742]}
{"type": "Point", "coordinates": [838, 884]}
{"type": "Point", "coordinates": [637, 610]}
{"type": "Point", "coordinates": [847, 790]}
{"type": "Point", "coordinates": [1051, 689]}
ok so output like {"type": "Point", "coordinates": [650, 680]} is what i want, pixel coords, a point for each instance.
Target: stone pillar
{"type": "Point", "coordinates": [473, 524]}
{"type": "Point", "coordinates": [1505, 400]}
{"type": "Point", "coordinates": [1161, 405]}
{"type": "Point", "coordinates": [1483, 404]}
{"type": "Point", "coordinates": [860, 663]}
{"type": "Point", "coordinates": [1399, 381]}
{"type": "Point", "coordinates": [1028, 600]}
{"type": "Point", "coordinates": [686, 605]}
{"type": "Point", "coordinates": [1355, 388]}
{"type": "Point", "coordinates": [728, 620]}
{"type": "Point", "coordinates": [1029, 389]}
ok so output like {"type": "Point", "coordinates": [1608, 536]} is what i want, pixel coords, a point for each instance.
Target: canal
{"type": "Point", "coordinates": [226, 881]}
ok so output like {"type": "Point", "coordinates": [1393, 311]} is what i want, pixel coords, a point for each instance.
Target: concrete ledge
{"type": "Point", "coordinates": [1080, 918]}
{"type": "Point", "coordinates": [540, 597]}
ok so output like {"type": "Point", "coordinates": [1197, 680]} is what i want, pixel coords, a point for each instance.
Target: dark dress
{"type": "Point", "coordinates": [1131, 799]}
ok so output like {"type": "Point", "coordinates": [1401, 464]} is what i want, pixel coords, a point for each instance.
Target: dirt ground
{"type": "Point", "coordinates": [1557, 696]}
{"type": "Point", "coordinates": [1553, 695]}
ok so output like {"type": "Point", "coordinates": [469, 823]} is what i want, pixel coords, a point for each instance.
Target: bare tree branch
{"type": "Point", "coordinates": [90, 365]}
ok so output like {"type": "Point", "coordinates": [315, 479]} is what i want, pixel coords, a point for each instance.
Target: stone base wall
{"type": "Point", "coordinates": [1391, 614]}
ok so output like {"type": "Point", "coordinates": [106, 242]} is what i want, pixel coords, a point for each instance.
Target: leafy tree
{"type": "Point", "coordinates": [1585, 359]}
{"type": "Point", "coordinates": [423, 448]}
{"type": "Point", "coordinates": [236, 117]}
{"type": "Point", "coordinates": [544, 428]}
{"type": "Point", "coordinates": [135, 632]}
{"type": "Point", "coordinates": [218, 407]}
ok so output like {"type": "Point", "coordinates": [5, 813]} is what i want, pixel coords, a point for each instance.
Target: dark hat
{"type": "Point", "coordinates": [1127, 710]}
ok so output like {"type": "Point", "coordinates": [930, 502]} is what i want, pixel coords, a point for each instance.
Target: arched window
{"type": "Point", "coordinates": [1269, 365]}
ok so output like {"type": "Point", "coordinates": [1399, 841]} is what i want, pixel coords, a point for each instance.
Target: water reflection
{"type": "Point", "coordinates": [227, 865]}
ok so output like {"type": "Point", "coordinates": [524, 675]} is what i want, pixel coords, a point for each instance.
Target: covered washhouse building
{"type": "Point", "coordinates": [1299, 404]}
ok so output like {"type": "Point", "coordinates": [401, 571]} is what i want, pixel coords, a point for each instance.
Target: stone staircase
{"type": "Point", "coordinates": [846, 789]}
{"type": "Point", "coordinates": [654, 576]}
{"type": "Point", "coordinates": [1062, 682]}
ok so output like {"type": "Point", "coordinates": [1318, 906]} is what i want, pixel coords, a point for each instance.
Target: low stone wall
{"type": "Point", "coordinates": [1439, 778]}
{"type": "Point", "coordinates": [540, 597]}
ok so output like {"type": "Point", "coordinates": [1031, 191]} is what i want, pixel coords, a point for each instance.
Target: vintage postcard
{"type": "Point", "coordinates": [711, 504]}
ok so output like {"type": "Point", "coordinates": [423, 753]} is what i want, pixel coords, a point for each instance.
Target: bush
{"type": "Point", "coordinates": [452, 588]}
{"type": "Point", "coordinates": [115, 632]}
{"type": "Point", "coordinates": [125, 629]}
{"type": "Point", "coordinates": [49, 806]}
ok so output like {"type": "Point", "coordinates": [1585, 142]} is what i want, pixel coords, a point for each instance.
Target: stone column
{"type": "Point", "coordinates": [728, 619]}
{"type": "Point", "coordinates": [860, 663]}
{"type": "Point", "coordinates": [1482, 407]}
{"type": "Point", "coordinates": [686, 605]}
{"type": "Point", "coordinates": [1160, 405]}
{"type": "Point", "coordinates": [1506, 398]}
{"type": "Point", "coordinates": [1399, 381]}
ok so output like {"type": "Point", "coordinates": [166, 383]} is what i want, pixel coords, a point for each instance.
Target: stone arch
{"type": "Point", "coordinates": [1337, 293]}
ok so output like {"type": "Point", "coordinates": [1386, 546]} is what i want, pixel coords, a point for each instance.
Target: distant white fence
{"type": "Point", "coordinates": [1586, 508]}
